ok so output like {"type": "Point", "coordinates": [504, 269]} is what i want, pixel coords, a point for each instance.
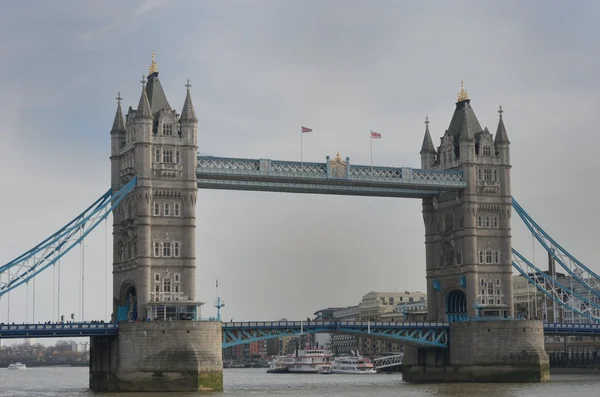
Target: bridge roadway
{"type": "Point", "coordinates": [236, 333]}
{"type": "Point", "coordinates": [332, 177]}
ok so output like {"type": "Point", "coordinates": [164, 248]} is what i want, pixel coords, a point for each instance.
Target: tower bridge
{"type": "Point", "coordinates": [464, 185]}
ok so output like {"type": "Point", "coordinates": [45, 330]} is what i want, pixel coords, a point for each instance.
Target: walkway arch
{"type": "Point", "coordinates": [456, 306]}
{"type": "Point", "coordinates": [127, 308]}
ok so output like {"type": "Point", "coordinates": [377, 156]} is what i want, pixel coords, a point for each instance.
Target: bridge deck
{"type": "Point", "coordinates": [321, 178]}
{"type": "Point", "coordinates": [424, 333]}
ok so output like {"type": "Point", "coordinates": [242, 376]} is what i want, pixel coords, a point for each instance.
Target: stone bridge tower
{"type": "Point", "coordinates": [154, 227]}
{"type": "Point", "coordinates": [468, 234]}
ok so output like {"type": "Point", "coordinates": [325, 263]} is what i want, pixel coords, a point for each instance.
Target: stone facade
{"type": "Point", "coordinates": [154, 228]}
{"type": "Point", "coordinates": [154, 258]}
{"type": "Point", "coordinates": [479, 352]}
{"type": "Point", "coordinates": [158, 356]}
{"type": "Point", "coordinates": [468, 234]}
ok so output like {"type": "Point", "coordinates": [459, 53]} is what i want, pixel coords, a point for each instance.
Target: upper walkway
{"type": "Point", "coordinates": [236, 333]}
{"type": "Point", "coordinates": [332, 177]}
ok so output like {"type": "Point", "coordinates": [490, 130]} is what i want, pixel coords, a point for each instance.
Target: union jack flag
{"type": "Point", "coordinates": [306, 129]}
{"type": "Point", "coordinates": [375, 135]}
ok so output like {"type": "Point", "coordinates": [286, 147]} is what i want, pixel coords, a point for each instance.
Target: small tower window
{"type": "Point", "coordinates": [166, 249]}
{"type": "Point", "coordinates": [176, 251]}
{"type": "Point", "coordinates": [176, 209]}
{"type": "Point", "coordinates": [487, 174]}
{"type": "Point", "coordinates": [487, 221]}
{"type": "Point", "coordinates": [480, 221]}
{"type": "Point", "coordinates": [479, 174]}
{"type": "Point", "coordinates": [177, 158]}
{"type": "Point", "coordinates": [167, 156]}
{"type": "Point", "coordinates": [495, 175]}
{"type": "Point", "coordinates": [167, 209]}
{"type": "Point", "coordinates": [157, 155]}
{"type": "Point", "coordinates": [157, 278]}
{"type": "Point", "coordinates": [177, 277]}
{"type": "Point", "coordinates": [167, 285]}
{"type": "Point", "coordinates": [156, 249]}
{"type": "Point", "coordinates": [487, 151]}
{"type": "Point", "coordinates": [444, 157]}
{"type": "Point", "coordinates": [156, 209]}
{"type": "Point", "coordinates": [168, 129]}
{"type": "Point", "coordinates": [495, 222]}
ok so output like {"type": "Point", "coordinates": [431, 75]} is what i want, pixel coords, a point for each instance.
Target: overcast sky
{"type": "Point", "coordinates": [259, 70]}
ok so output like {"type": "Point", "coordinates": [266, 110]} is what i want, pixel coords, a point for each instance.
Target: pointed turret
{"type": "Point", "coordinates": [188, 113]}
{"type": "Point", "coordinates": [156, 94]}
{"type": "Point", "coordinates": [501, 136]}
{"type": "Point", "coordinates": [462, 112]}
{"type": "Point", "coordinates": [143, 110]}
{"type": "Point", "coordinates": [119, 121]}
{"type": "Point", "coordinates": [427, 146]}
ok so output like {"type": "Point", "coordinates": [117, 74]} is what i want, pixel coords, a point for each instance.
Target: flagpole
{"type": "Point", "coordinates": [371, 142]}
{"type": "Point", "coordinates": [301, 133]}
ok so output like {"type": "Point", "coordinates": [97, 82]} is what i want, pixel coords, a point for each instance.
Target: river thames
{"type": "Point", "coordinates": [72, 382]}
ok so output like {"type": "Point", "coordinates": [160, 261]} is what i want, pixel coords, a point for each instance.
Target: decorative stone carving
{"type": "Point", "coordinates": [338, 167]}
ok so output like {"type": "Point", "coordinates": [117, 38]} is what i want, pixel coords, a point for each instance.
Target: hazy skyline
{"type": "Point", "coordinates": [259, 70]}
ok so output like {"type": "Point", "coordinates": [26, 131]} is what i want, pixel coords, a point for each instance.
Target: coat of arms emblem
{"type": "Point", "coordinates": [338, 167]}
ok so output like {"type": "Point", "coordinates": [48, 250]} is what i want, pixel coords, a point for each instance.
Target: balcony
{"type": "Point", "coordinates": [168, 170]}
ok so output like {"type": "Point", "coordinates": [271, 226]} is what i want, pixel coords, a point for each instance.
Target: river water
{"type": "Point", "coordinates": [72, 382]}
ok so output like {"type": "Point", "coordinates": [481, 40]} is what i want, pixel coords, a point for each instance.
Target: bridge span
{"type": "Point", "coordinates": [432, 334]}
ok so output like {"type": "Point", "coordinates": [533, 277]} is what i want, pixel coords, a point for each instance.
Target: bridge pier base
{"type": "Point", "coordinates": [158, 356]}
{"type": "Point", "coordinates": [482, 351]}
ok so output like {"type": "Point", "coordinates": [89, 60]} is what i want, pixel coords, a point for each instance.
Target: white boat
{"type": "Point", "coordinates": [355, 365]}
{"type": "Point", "coordinates": [17, 366]}
{"type": "Point", "coordinates": [324, 369]}
{"type": "Point", "coordinates": [277, 366]}
{"type": "Point", "coordinates": [307, 361]}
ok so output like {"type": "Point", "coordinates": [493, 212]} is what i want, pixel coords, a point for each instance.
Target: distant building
{"type": "Point", "coordinates": [342, 344]}
{"type": "Point", "coordinates": [408, 311]}
{"type": "Point", "coordinates": [381, 306]}
{"type": "Point", "coordinates": [324, 340]}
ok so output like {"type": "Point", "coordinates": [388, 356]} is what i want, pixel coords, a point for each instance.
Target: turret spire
{"type": "Point", "coordinates": [427, 146]}
{"type": "Point", "coordinates": [188, 113]}
{"type": "Point", "coordinates": [143, 110]}
{"type": "Point", "coordinates": [119, 121]}
{"type": "Point", "coordinates": [501, 136]}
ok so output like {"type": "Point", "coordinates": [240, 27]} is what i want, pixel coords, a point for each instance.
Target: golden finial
{"type": "Point", "coordinates": [152, 68]}
{"type": "Point", "coordinates": [337, 156]}
{"type": "Point", "coordinates": [463, 95]}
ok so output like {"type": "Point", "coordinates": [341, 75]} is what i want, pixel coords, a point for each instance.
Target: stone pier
{"type": "Point", "coordinates": [158, 356]}
{"type": "Point", "coordinates": [483, 351]}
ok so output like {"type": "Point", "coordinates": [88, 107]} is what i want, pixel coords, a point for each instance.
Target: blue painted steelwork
{"type": "Point", "coordinates": [456, 306]}
{"type": "Point", "coordinates": [560, 255]}
{"type": "Point", "coordinates": [318, 178]}
{"type": "Point", "coordinates": [57, 330]}
{"type": "Point", "coordinates": [571, 329]}
{"type": "Point", "coordinates": [28, 265]}
{"type": "Point", "coordinates": [420, 333]}
{"type": "Point", "coordinates": [423, 334]}
{"type": "Point", "coordinates": [565, 291]}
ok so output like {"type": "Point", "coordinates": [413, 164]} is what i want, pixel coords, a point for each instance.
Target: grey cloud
{"type": "Point", "coordinates": [259, 70]}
